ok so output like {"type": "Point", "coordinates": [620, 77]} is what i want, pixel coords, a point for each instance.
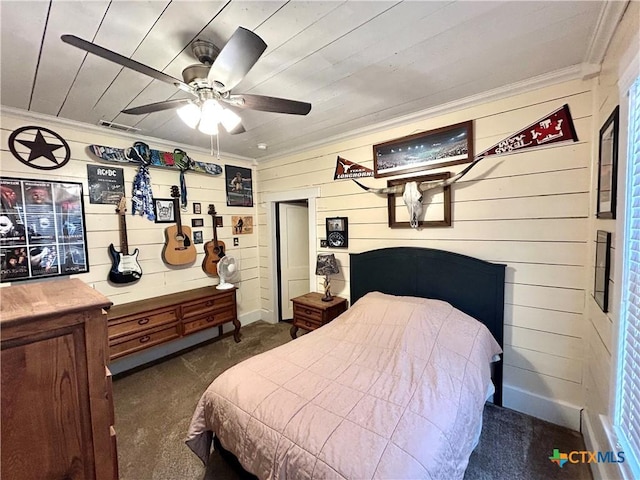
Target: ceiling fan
{"type": "Point", "coordinates": [210, 83]}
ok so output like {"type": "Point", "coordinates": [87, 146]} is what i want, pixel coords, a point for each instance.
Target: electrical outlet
{"type": "Point", "coordinates": [323, 243]}
{"type": "Point", "coordinates": [236, 241]}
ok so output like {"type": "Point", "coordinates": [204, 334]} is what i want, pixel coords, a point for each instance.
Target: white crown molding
{"type": "Point", "coordinates": [575, 72]}
{"type": "Point", "coordinates": [157, 143]}
{"type": "Point", "coordinates": [610, 15]}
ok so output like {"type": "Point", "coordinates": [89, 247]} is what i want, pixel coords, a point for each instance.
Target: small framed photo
{"type": "Point", "coordinates": [608, 166]}
{"type": "Point", "coordinates": [337, 229]}
{"type": "Point", "coordinates": [197, 208]}
{"type": "Point", "coordinates": [197, 236]}
{"type": "Point", "coordinates": [602, 269]}
{"type": "Point", "coordinates": [163, 210]}
{"type": "Point", "coordinates": [197, 222]}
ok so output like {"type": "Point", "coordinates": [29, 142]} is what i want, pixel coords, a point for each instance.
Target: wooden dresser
{"type": "Point", "coordinates": [310, 312]}
{"type": "Point", "coordinates": [139, 325]}
{"type": "Point", "coordinates": [57, 408]}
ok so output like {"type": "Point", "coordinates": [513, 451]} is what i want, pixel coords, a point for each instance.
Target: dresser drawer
{"type": "Point", "coordinates": [207, 320]}
{"type": "Point", "coordinates": [141, 322]}
{"type": "Point", "coordinates": [311, 314]}
{"type": "Point", "coordinates": [130, 344]}
{"type": "Point", "coordinates": [197, 308]}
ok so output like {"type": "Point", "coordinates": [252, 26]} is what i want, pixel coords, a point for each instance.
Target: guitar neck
{"type": "Point", "coordinates": [176, 208]}
{"type": "Point", "coordinates": [124, 242]}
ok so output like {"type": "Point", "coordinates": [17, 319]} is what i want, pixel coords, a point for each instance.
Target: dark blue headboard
{"type": "Point", "coordinates": [473, 286]}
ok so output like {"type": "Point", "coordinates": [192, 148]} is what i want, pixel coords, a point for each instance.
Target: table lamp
{"type": "Point", "coordinates": [327, 265]}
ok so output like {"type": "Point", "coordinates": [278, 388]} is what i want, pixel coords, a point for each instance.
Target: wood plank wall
{"type": "Point", "coordinates": [103, 225]}
{"type": "Point", "coordinates": [529, 210]}
{"type": "Point", "coordinates": [601, 331]}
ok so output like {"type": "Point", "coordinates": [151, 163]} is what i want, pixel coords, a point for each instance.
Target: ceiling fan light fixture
{"type": "Point", "coordinates": [190, 114]}
{"type": "Point", "coordinates": [211, 111]}
{"type": "Point", "coordinates": [229, 119]}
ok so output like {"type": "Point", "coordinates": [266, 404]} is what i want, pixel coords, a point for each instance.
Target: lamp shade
{"type": "Point", "coordinates": [190, 114]}
{"type": "Point", "coordinates": [327, 264]}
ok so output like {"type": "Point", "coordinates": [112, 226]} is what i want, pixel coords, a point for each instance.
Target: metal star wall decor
{"type": "Point", "coordinates": [41, 152]}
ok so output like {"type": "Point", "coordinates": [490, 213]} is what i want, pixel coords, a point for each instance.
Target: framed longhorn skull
{"type": "Point", "coordinates": [412, 190]}
{"type": "Point", "coordinates": [409, 192]}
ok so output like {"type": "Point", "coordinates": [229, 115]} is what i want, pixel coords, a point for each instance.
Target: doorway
{"type": "Point", "coordinates": [272, 201]}
{"type": "Point", "coordinates": [292, 237]}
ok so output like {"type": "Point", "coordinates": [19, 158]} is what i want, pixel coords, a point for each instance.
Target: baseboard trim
{"type": "Point", "coordinates": [551, 410]}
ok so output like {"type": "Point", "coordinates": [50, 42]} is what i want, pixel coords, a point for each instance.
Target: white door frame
{"type": "Point", "coordinates": [271, 199]}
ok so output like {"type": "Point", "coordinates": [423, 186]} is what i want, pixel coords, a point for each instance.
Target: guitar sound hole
{"type": "Point", "coordinates": [179, 238]}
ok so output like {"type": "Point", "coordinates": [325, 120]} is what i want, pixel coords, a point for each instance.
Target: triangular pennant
{"type": "Point", "coordinates": [348, 169]}
{"type": "Point", "coordinates": [554, 128]}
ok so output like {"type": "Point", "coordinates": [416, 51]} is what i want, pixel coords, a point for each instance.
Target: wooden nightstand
{"type": "Point", "coordinates": [310, 312]}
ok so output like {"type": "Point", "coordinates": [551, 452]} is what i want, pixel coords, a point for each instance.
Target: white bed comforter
{"type": "Point", "coordinates": [393, 388]}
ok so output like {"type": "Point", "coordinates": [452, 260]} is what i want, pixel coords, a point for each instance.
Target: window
{"type": "Point", "coordinates": [627, 412]}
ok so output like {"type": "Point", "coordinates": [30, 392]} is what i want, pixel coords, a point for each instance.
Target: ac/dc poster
{"type": "Point", "coordinates": [106, 184]}
{"type": "Point", "coordinates": [42, 230]}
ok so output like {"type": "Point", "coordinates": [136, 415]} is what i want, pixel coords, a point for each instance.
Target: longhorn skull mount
{"type": "Point", "coordinates": [412, 192]}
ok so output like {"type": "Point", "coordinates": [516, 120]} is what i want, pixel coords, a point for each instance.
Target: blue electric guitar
{"type": "Point", "coordinates": [125, 267]}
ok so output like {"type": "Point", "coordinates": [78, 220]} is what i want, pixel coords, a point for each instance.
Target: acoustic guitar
{"type": "Point", "coordinates": [214, 249]}
{"type": "Point", "coordinates": [178, 248]}
{"type": "Point", "coordinates": [125, 267]}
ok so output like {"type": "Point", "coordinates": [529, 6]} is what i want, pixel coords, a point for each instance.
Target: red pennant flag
{"type": "Point", "coordinates": [348, 169]}
{"type": "Point", "coordinates": [554, 128]}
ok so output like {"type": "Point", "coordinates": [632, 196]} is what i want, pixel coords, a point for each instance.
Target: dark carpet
{"type": "Point", "coordinates": [154, 405]}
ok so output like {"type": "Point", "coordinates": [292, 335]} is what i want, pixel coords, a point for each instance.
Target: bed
{"type": "Point", "coordinates": [392, 388]}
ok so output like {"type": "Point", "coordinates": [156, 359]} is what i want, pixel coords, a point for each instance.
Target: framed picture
{"type": "Point", "coordinates": [197, 236]}
{"type": "Point", "coordinates": [42, 229]}
{"type": "Point", "coordinates": [239, 186]}
{"type": "Point", "coordinates": [602, 269]}
{"type": "Point", "coordinates": [197, 222]}
{"type": "Point", "coordinates": [337, 232]}
{"type": "Point", "coordinates": [608, 166]}
{"type": "Point", "coordinates": [424, 151]}
{"type": "Point", "coordinates": [197, 208]}
{"type": "Point", "coordinates": [163, 209]}
{"type": "Point", "coordinates": [433, 202]}
{"type": "Point", "coordinates": [241, 225]}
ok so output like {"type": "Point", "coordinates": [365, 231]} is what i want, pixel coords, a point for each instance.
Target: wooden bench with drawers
{"type": "Point", "coordinates": [139, 325]}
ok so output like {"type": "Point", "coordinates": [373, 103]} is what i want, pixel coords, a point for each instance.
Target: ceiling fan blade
{"type": "Point", "coordinates": [235, 59]}
{"type": "Point", "coordinates": [269, 104]}
{"type": "Point", "coordinates": [124, 61]}
{"type": "Point", "coordinates": [157, 107]}
{"type": "Point", "coordinates": [237, 130]}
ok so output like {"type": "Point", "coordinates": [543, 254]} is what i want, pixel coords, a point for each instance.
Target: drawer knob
{"type": "Point", "coordinates": [210, 319]}
{"type": "Point", "coordinates": [143, 321]}
{"type": "Point", "coordinates": [308, 312]}
{"type": "Point", "coordinates": [209, 303]}
{"type": "Point", "coordinates": [145, 339]}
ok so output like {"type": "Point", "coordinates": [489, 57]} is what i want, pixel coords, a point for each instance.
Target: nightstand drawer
{"type": "Point", "coordinates": [306, 323]}
{"type": "Point", "coordinates": [138, 323]}
{"type": "Point", "coordinates": [208, 320]}
{"type": "Point", "coordinates": [307, 312]}
{"type": "Point", "coordinates": [128, 345]}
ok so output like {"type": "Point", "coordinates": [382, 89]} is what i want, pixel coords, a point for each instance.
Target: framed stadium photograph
{"type": "Point", "coordinates": [424, 151]}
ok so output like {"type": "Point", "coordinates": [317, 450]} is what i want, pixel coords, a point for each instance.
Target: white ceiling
{"type": "Point", "coordinates": [358, 63]}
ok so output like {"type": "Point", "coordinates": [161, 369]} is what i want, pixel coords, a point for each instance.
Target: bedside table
{"type": "Point", "coordinates": [310, 312]}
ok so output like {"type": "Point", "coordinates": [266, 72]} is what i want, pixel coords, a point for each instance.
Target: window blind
{"type": "Point", "coordinates": [628, 393]}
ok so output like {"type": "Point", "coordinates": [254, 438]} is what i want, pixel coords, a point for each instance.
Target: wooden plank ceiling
{"type": "Point", "coordinates": [358, 63]}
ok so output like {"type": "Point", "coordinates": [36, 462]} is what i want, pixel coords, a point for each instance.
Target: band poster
{"type": "Point", "coordinates": [42, 229]}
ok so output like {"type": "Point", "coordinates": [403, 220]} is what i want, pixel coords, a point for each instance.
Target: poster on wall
{"type": "Point", "coordinates": [42, 229]}
{"type": "Point", "coordinates": [239, 186]}
{"type": "Point", "coordinates": [241, 225]}
{"type": "Point", "coordinates": [106, 184]}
